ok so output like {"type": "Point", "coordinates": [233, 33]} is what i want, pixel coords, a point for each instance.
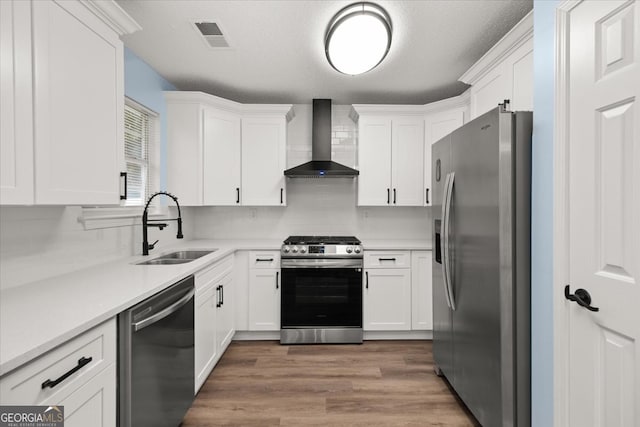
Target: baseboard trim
{"type": "Point", "coordinates": [368, 335]}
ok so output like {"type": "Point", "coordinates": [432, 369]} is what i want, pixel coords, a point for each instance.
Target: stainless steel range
{"type": "Point", "coordinates": [321, 290]}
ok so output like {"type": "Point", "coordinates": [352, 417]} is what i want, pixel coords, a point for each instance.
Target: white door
{"type": "Point", "coordinates": [421, 291]}
{"type": "Point", "coordinates": [16, 115]}
{"type": "Point", "coordinates": [374, 154]}
{"type": "Point", "coordinates": [264, 159]}
{"type": "Point", "coordinates": [264, 299]}
{"type": "Point", "coordinates": [407, 167]}
{"type": "Point", "coordinates": [205, 328]}
{"type": "Point", "coordinates": [221, 158]}
{"type": "Point", "coordinates": [604, 213]}
{"type": "Point", "coordinates": [78, 106]}
{"type": "Point", "coordinates": [387, 299]}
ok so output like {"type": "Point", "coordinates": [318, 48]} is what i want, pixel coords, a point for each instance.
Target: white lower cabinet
{"type": "Point", "coordinates": [88, 394]}
{"type": "Point", "coordinates": [93, 404]}
{"type": "Point", "coordinates": [421, 294]}
{"type": "Point", "coordinates": [205, 333]}
{"type": "Point", "coordinates": [264, 291]}
{"type": "Point", "coordinates": [387, 292]}
{"type": "Point", "coordinates": [214, 317]}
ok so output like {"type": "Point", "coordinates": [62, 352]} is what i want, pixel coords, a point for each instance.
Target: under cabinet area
{"type": "Point", "coordinates": [62, 138]}
{"type": "Point", "coordinates": [214, 316]}
{"type": "Point", "coordinates": [79, 375]}
{"type": "Point", "coordinates": [264, 291]}
{"type": "Point", "coordinates": [223, 153]}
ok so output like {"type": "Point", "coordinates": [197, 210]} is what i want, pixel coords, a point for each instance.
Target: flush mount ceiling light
{"type": "Point", "coordinates": [358, 38]}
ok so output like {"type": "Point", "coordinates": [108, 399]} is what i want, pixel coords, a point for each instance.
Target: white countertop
{"type": "Point", "coordinates": [37, 317]}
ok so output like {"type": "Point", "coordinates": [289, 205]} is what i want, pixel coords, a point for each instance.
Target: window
{"type": "Point", "coordinates": [139, 142]}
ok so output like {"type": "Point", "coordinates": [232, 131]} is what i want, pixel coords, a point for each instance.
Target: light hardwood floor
{"type": "Point", "coordinates": [378, 383]}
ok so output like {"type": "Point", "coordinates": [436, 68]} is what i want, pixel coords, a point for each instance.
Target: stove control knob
{"type": "Point", "coordinates": [286, 249]}
{"type": "Point", "coordinates": [357, 249]}
{"type": "Point", "coordinates": [294, 250]}
{"type": "Point", "coordinates": [349, 249]}
{"type": "Point", "coordinates": [303, 250]}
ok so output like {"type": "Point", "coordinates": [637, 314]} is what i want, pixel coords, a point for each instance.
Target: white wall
{"type": "Point", "coordinates": [40, 242]}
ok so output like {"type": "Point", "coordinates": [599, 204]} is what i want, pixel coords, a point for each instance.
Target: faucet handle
{"type": "Point", "coordinates": [152, 245]}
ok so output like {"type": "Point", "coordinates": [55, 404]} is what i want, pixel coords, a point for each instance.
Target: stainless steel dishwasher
{"type": "Point", "coordinates": [156, 358]}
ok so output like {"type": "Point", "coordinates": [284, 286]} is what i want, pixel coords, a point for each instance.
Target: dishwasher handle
{"type": "Point", "coordinates": [164, 313]}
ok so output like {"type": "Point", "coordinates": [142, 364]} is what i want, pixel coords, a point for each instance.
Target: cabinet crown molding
{"type": "Point", "coordinates": [516, 37]}
{"type": "Point", "coordinates": [113, 15]}
{"type": "Point", "coordinates": [460, 101]}
{"type": "Point", "coordinates": [195, 97]}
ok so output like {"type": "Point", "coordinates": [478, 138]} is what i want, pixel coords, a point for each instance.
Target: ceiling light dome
{"type": "Point", "coordinates": [358, 38]}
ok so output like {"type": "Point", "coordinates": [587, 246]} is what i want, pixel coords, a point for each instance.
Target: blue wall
{"type": "Point", "coordinates": [542, 214]}
{"type": "Point", "coordinates": [144, 85]}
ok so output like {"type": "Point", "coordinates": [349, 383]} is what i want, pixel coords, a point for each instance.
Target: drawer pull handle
{"type": "Point", "coordinates": [81, 363]}
{"type": "Point", "coordinates": [386, 259]}
{"type": "Point", "coordinates": [264, 260]}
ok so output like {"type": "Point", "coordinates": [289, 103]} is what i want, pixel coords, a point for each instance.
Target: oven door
{"type": "Point", "coordinates": [321, 293]}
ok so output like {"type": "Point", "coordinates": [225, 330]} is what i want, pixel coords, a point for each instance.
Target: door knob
{"type": "Point", "coordinates": [581, 296]}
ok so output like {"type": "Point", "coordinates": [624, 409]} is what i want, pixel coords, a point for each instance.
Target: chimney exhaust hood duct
{"type": "Point", "coordinates": [321, 165]}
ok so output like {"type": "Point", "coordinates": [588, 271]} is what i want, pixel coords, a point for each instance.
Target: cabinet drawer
{"type": "Point", "coordinates": [387, 259]}
{"type": "Point", "coordinates": [213, 272]}
{"type": "Point", "coordinates": [24, 385]}
{"type": "Point", "coordinates": [264, 259]}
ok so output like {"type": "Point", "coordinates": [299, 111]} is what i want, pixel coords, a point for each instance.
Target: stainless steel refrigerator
{"type": "Point", "coordinates": [481, 265]}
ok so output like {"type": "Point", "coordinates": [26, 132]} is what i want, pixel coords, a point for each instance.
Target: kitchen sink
{"type": "Point", "coordinates": [178, 257]}
{"type": "Point", "coordinates": [190, 255]}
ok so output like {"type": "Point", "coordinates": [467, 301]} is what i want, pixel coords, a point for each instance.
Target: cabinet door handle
{"type": "Point", "coordinates": [366, 275]}
{"type": "Point", "coordinates": [221, 295]}
{"type": "Point", "coordinates": [124, 175]}
{"type": "Point", "coordinates": [388, 196]}
{"type": "Point", "coordinates": [281, 195]}
{"type": "Point", "coordinates": [394, 196]}
{"type": "Point", "coordinates": [82, 362]}
{"type": "Point", "coordinates": [277, 276]}
{"type": "Point", "coordinates": [218, 304]}
{"type": "Point", "coordinates": [264, 259]}
{"type": "Point", "coordinates": [386, 259]}
{"type": "Point", "coordinates": [427, 196]}
{"type": "Point", "coordinates": [237, 194]}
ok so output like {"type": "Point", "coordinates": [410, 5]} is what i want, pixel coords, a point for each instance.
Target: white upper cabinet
{"type": "Point", "coordinates": [390, 155]}
{"type": "Point", "coordinates": [436, 126]}
{"type": "Point", "coordinates": [221, 158]}
{"type": "Point", "coordinates": [374, 152]}
{"type": "Point", "coordinates": [407, 167]}
{"type": "Point", "coordinates": [222, 153]}
{"type": "Point", "coordinates": [264, 159]}
{"type": "Point", "coordinates": [16, 117]}
{"type": "Point", "coordinates": [504, 72]}
{"type": "Point", "coordinates": [71, 137]}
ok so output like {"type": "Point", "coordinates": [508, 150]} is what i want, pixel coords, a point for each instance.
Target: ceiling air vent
{"type": "Point", "coordinates": [212, 34]}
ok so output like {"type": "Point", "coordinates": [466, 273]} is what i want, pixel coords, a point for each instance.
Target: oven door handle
{"type": "Point", "coordinates": [321, 263]}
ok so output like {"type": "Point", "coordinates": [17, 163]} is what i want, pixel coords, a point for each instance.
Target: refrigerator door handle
{"type": "Point", "coordinates": [444, 237]}
{"type": "Point", "coordinates": [446, 263]}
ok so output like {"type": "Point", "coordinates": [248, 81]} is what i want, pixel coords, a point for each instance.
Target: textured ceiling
{"type": "Point", "coordinates": [277, 52]}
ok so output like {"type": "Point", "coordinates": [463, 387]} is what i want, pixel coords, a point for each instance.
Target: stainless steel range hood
{"type": "Point", "coordinates": [321, 165]}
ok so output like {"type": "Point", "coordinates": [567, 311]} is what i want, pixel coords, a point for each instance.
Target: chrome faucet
{"type": "Point", "coordinates": [146, 246]}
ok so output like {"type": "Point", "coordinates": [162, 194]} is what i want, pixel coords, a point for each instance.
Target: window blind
{"type": "Point", "coordinates": [137, 136]}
